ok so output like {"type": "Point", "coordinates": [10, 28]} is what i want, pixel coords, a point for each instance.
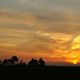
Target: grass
{"type": "Point", "coordinates": [25, 72]}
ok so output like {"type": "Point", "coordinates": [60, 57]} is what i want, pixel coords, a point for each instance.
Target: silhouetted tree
{"type": "Point", "coordinates": [33, 62]}
{"type": "Point", "coordinates": [14, 59]}
{"type": "Point", "coordinates": [5, 61]}
{"type": "Point", "coordinates": [10, 61]}
{"type": "Point", "coordinates": [0, 62]}
{"type": "Point", "coordinates": [41, 62]}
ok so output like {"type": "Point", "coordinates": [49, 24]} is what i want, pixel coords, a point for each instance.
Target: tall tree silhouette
{"type": "Point", "coordinates": [41, 62]}
{"type": "Point", "coordinates": [14, 59]}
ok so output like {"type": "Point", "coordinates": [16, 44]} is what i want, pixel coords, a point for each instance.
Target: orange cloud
{"type": "Point", "coordinates": [50, 37]}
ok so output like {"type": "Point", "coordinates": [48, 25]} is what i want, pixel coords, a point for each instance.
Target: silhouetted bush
{"type": "Point", "coordinates": [41, 62]}
{"type": "Point", "coordinates": [34, 62]}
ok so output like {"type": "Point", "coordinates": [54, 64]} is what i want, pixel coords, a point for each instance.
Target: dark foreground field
{"type": "Point", "coordinates": [24, 72]}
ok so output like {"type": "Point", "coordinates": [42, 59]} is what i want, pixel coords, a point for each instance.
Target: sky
{"type": "Point", "coordinates": [40, 28]}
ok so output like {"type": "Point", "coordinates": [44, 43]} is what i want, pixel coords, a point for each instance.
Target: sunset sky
{"type": "Point", "coordinates": [40, 28]}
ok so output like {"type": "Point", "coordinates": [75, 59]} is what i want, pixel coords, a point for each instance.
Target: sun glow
{"type": "Point", "coordinates": [75, 50]}
{"type": "Point", "coordinates": [74, 61]}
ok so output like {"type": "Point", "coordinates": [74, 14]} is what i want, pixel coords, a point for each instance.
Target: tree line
{"type": "Point", "coordinates": [14, 60]}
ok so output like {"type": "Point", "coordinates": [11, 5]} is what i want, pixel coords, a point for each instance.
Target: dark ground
{"type": "Point", "coordinates": [24, 72]}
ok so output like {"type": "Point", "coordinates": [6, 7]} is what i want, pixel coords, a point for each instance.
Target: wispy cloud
{"type": "Point", "coordinates": [22, 1]}
{"type": "Point", "coordinates": [38, 31]}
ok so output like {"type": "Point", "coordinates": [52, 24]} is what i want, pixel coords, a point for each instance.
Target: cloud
{"type": "Point", "coordinates": [38, 33]}
{"type": "Point", "coordinates": [67, 23]}
{"type": "Point", "coordinates": [37, 5]}
{"type": "Point", "coordinates": [22, 1]}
